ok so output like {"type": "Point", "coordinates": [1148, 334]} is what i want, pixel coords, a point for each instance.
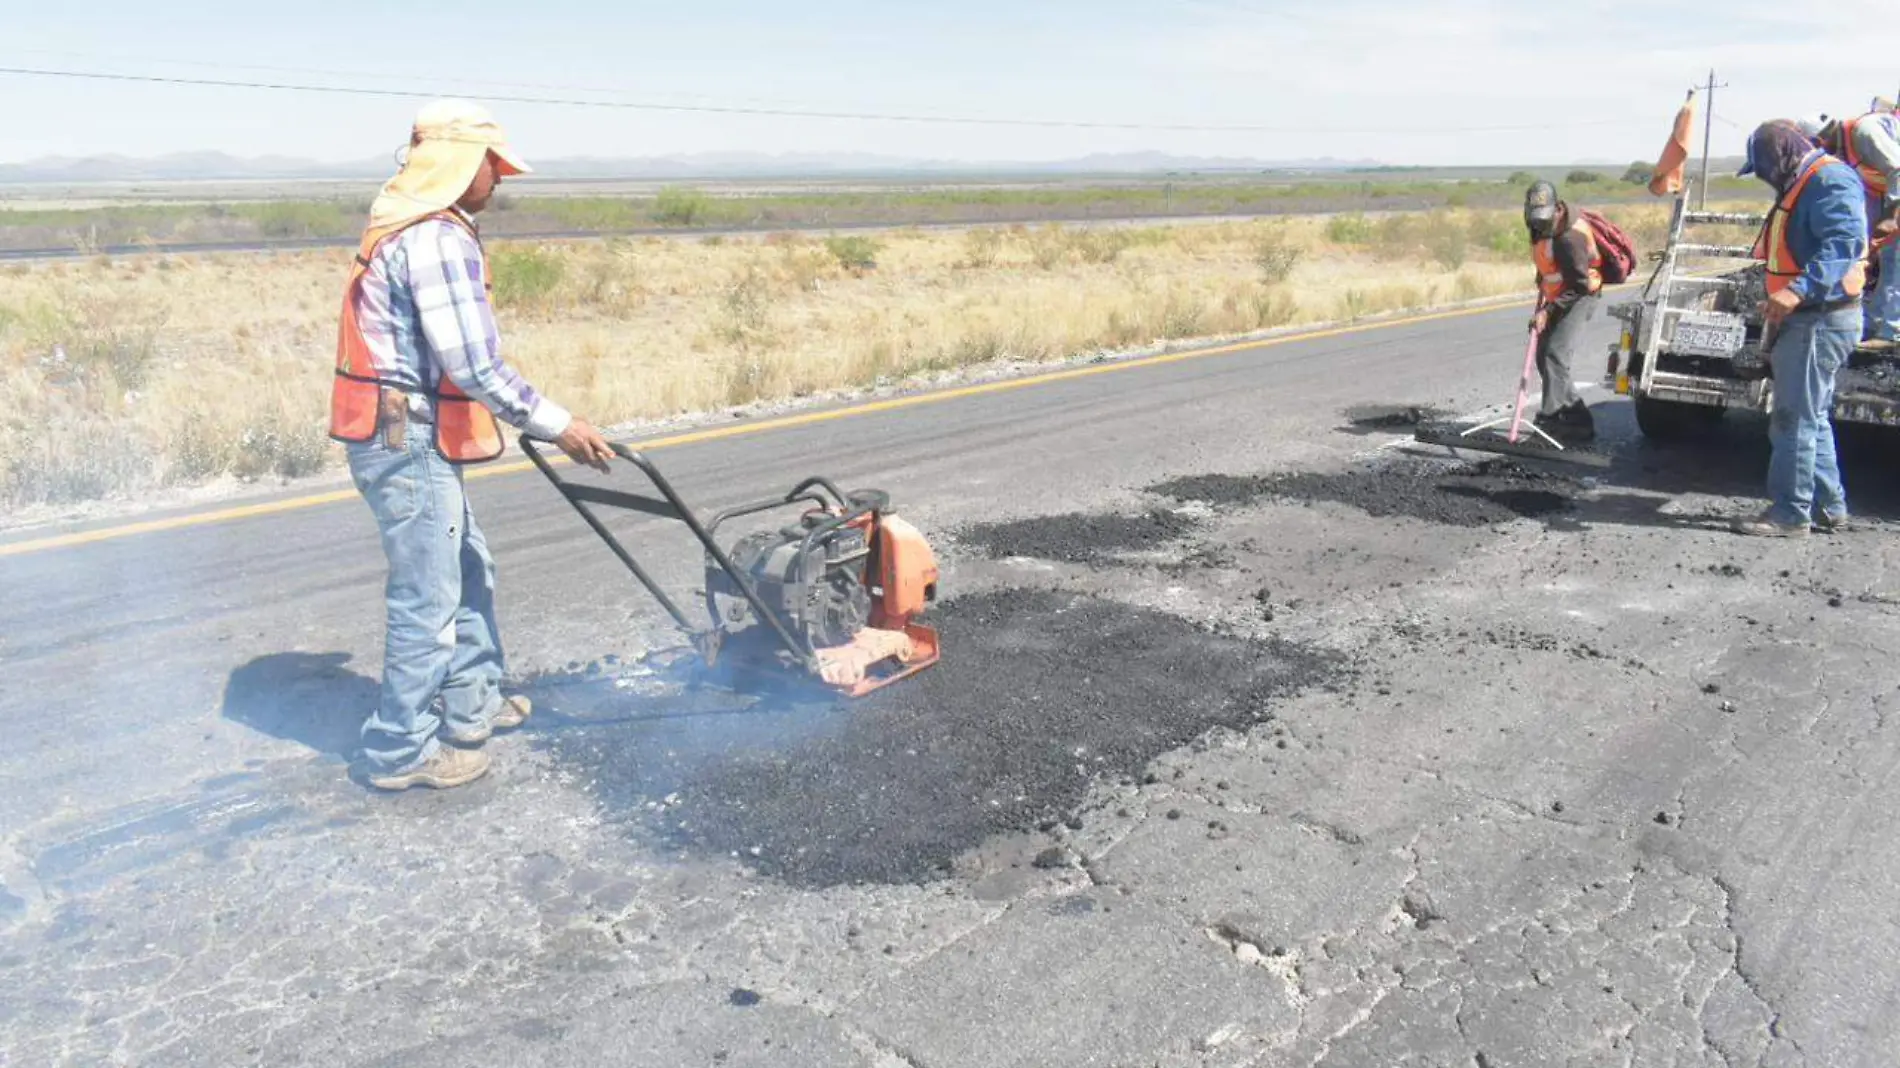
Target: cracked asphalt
{"type": "Point", "coordinates": [1262, 739]}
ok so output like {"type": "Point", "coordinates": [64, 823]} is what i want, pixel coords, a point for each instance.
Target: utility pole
{"type": "Point", "coordinates": [1708, 128]}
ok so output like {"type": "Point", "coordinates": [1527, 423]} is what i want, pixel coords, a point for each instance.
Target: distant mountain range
{"type": "Point", "coordinates": [219, 166]}
{"type": "Point", "coordinates": [180, 166]}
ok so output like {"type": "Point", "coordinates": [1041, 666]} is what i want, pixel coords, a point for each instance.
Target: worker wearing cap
{"type": "Point", "coordinates": [1569, 281]}
{"type": "Point", "coordinates": [1814, 245]}
{"type": "Point", "coordinates": [1871, 145]}
{"type": "Point", "coordinates": [418, 388]}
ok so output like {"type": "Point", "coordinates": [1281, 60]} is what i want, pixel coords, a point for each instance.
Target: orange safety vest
{"type": "Point", "coordinates": [1874, 178]}
{"type": "Point", "coordinates": [1550, 277]}
{"type": "Point", "coordinates": [1773, 248]}
{"type": "Point", "coordinates": [465, 431]}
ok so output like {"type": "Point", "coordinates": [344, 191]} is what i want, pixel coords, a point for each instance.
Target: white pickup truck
{"type": "Point", "coordinates": [1690, 347]}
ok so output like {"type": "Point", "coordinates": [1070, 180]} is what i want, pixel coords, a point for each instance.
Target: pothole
{"type": "Point", "coordinates": [1470, 495]}
{"type": "Point", "coordinates": [1369, 418]}
{"type": "Point", "coordinates": [1079, 538]}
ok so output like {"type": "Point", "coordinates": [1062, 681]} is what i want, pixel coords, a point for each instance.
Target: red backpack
{"type": "Point", "coordinates": [1619, 252]}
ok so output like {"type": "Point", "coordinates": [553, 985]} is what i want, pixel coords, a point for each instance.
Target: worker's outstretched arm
{"type": "Point", "coordinates": [1834, 212]}
{"type": "Point", "coordinates": [451, 292]}
{"type": "Point", "coordinates": [446, 276]}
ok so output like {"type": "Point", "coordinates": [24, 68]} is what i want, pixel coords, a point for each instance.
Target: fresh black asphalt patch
{"type": "Point", "coordinates": [1039, 693]}
{"type": "Point", "coordinates": [1471, 495]}
{"type": "Point", "coordinates": [1078, 538]}
{"type": "Point", "coordinates": [1374, 418]}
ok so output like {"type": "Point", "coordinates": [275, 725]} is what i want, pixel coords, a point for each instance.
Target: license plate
{"type": "Point", "coordinates": [1721, 336]}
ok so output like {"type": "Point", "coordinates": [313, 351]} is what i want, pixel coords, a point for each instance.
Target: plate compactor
{"type": "Point", "coordinates": [836, 594]}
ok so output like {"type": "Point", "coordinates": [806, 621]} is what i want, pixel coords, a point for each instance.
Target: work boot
{"type": "Point", "coordinates": [1833, 524]}
{"type": "Point", "coordinates": [514, 711]}
{"type": "Point", "coordinates": [1879, 346]}
{"type": "Point", "coordinates": [1571, 424]}
{"type": "Point", "coordinates": [1764, 526]}
{"type": "Point", "coordinates": [447, 768]}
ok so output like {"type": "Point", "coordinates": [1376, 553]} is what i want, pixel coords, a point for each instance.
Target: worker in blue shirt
{"type": "Point", "coordinates": [1815, 247]}
{"type": "Point", "coordinates": [1870, 144]}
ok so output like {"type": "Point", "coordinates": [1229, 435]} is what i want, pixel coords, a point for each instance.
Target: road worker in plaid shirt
{"type": "Point", "coordinates": [419, 388]}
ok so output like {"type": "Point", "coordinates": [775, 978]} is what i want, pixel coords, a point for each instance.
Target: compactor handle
{"type": "Point", "coordinates": [673, 507]}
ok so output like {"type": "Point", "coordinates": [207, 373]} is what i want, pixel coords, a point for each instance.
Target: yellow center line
{"type": "Point", "coordinates": [787, 422]}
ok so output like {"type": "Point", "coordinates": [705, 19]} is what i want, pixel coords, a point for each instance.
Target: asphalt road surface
{"type": "Point", "coordinates": [1258, 741]}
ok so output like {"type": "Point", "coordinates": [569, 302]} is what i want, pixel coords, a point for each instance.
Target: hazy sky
{"type": "Point", "coordinates": [1398, 81]}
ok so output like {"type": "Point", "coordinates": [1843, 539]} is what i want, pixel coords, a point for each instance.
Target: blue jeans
{"type": "Point", "coordinates": [1803, 474]}
{"type": "Point", "coordinates": [1883, 304]}
{"type": "Point", "coordinates": [441, 641]}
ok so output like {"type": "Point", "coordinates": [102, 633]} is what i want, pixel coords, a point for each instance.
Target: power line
{"type": "Point", "coordinates": [716, 109]}
{"type": "Point", "coordinates": [333, 72]}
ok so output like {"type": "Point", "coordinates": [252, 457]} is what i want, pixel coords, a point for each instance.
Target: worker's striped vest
{"type": "Point", "coordinates": [1550, 277]}
{"type": "Point", "coordinates": [465, 431]}
{"type": "Point", "coordinates": [1873, 177]}
{"type": "Point", "coordinates": [1773, 248]}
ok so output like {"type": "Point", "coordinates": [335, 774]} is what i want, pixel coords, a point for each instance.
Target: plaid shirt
{"type": "Point", "coordinates": [424, 311]}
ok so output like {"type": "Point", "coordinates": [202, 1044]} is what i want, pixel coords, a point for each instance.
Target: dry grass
{"type": "Point", "coordinates": [120, 376]}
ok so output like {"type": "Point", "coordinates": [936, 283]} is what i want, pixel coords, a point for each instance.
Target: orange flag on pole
{"type": "Point", "coordinates": [1675, 155]}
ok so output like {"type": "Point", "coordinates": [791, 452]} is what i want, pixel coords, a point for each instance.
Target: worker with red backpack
{"type": "Point", "coordinates": [1577, 253]}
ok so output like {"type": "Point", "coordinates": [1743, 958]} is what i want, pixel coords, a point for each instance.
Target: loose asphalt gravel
{"type": "Point", "coordinates": [1050, 693]}
{"type": "Point", "coordinates": [1473, 495]}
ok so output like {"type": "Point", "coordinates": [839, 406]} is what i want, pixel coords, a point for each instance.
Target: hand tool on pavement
{"type": "Point", "coordinates": [1486, 437]}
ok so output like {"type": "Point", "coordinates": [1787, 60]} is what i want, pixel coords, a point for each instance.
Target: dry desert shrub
{"type": "Point", "coordinates": [140, 372]}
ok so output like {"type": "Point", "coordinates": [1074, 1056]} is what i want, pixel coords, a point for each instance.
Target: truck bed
{"type": "Point", "coordinates": [1868, 389]}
